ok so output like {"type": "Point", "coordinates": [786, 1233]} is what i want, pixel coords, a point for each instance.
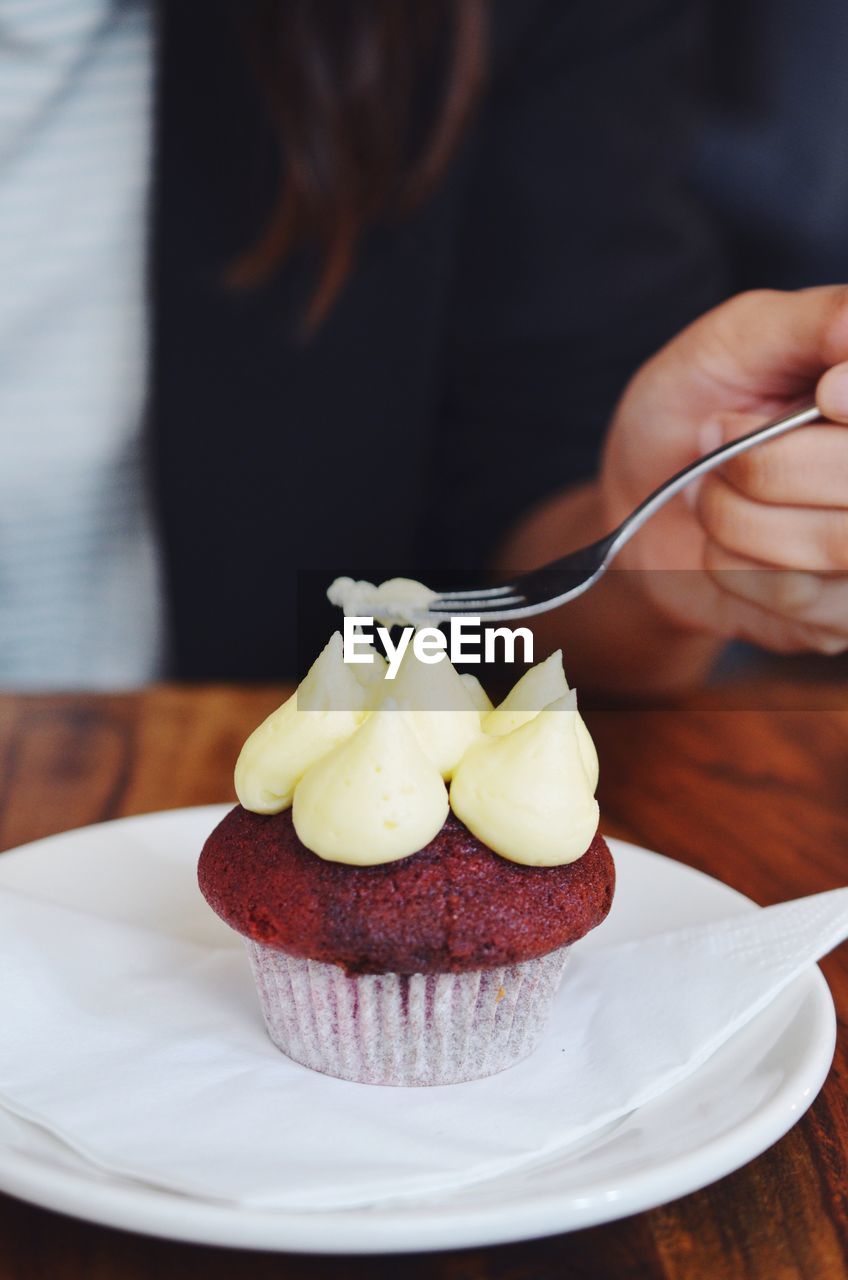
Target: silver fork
{"type": "Point", "coordinates": [565, 579]}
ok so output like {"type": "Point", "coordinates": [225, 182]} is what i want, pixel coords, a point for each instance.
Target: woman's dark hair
{"type": "Point", "coordinates": [370, 99]}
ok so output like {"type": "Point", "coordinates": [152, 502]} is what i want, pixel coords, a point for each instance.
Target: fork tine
{"type": "Point", "coordinates": [482, 593]}
{"type": "Point", "coordinates": [472, 604]}
{"type": "Point", "coordinates": [474, 608]}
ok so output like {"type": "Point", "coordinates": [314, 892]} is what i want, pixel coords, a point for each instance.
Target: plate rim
{"type": "Point", "coordinates": [420, 1226]}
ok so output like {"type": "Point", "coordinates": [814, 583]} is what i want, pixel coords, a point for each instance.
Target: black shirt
{"type": "Point", "coordinates": [772, 162]}
{"type": "Point", "coordinates": [472, 363]}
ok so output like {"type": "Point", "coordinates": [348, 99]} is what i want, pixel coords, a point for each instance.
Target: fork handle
{"type": "Point", "coordinates": [625, 531]}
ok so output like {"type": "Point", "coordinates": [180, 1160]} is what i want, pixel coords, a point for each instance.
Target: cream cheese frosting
{"type": "Point", "coordinates": [478, 694]}
{"type": "Point", "coordinates": [537, 688]}
{"type": "Point", "coordinates": [526, 793]}
{"type": "Point", "coordinates": [398, 601]}
{"type": "Point", "coordinates": [363, 762]}
{"type": "Point", "coordinates": [328, 706]}
{"type": "Point", "coordinates": [370, 674]}
{"type": "Point", "coordinates": [374, 798]}
{"type": "Point", "coordinates": [439, 708]}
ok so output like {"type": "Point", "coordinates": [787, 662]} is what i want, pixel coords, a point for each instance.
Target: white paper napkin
{"type": "Point", "coordinates": [147, 1056]}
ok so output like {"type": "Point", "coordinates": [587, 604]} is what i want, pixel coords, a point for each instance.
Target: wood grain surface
{"type": "Point", "coordinates": [749, 785]}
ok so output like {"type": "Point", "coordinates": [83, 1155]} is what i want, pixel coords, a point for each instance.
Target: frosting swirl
{"type": "Point", "coordinates": [526, 793]}
{"type": "Point", "coordinates": [365, 768]}
{"type": "Point", "coordinates": [539, 687]}
{"type": "Point", "coordinates": [439, 708]}
{"type": "Point", "coordinates": [374, 798]}
{"type": "Point", "coordinates": [328, 707]}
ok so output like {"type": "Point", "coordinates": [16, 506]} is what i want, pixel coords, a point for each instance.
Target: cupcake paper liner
{"type": "Point", "coordinates": [397, 1029]}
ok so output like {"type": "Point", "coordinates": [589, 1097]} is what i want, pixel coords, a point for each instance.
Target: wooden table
{"type": "Point", "coordinates": [750, 785]}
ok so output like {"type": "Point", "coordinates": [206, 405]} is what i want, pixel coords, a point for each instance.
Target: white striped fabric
{"type": "Point", "coordinates": [79, 590]}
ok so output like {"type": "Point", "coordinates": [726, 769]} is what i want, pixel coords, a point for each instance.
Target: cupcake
{"type": "Point", "coordinates": [409, 867]}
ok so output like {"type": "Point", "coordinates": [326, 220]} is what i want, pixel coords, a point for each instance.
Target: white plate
{"type": "Point", "coordinates": [746, 1096]}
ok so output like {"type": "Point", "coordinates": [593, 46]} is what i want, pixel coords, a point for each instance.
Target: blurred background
{"type": "Point", "coordinates": [207, 385]}
{"type": "Point", "coordinates": [771, 166]}
{"type": "Point", "coordinates": [772, 154]}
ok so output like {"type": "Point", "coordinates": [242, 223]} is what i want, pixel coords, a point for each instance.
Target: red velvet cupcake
{"type": "Point", "coordinates": [434, 964]}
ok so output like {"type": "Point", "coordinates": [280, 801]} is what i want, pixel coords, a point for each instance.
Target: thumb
{"type": "Point", "coordinates": [832, 393]}
{"type": "Point", "coordinates": [780, 342]}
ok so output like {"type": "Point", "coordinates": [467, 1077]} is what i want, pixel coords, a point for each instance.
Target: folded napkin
{"type": "Point", "coordinates": [147, 1056]}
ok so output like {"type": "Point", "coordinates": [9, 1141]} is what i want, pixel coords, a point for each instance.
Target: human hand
{"type": "Point", "coordinates": [766, 534]}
